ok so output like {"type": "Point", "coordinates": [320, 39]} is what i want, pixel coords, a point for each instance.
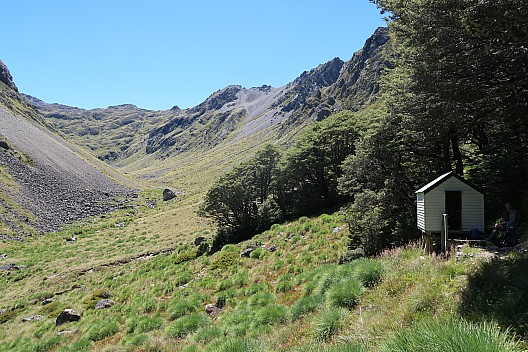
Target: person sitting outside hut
{"type": "Point", "coordinates": [505, 232]}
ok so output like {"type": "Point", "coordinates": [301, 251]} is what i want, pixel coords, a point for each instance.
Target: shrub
{"type": "Point", "coordinates": [185, 256]}
{"type": "Point", "coordinates": [350, 255]}
{"type": "Point", "coordinates": [329, 322]}
{"type": "Point", "coordinates": [327, 280]}
{"type": "Point", "coordinates": [436, 335]}
{"type": "Point", "coordinates": [225, 259]}
{"type": "Point", "coordinates": [186, 324]}
{"type": "Point", "coordinates": [325, 218]}
{"type": "Point", "coordinates": [284, 284]}
{"type": "Point", "coordinates": [259, 253]}
{"type": "Point", "coordinates": [7, 316]}
{"type": "Point", "coordinates": [304, 306]}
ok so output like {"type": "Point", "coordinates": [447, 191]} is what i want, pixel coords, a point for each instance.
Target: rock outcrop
{"type": "Point", "coordinates": [5, 76]}
{"type": "Point", "coordinates": [67, 316]}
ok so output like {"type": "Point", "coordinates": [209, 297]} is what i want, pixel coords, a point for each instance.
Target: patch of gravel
{"type": "Point", "coordinates": [58, 186]}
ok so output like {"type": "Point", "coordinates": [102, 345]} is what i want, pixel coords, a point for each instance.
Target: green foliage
{"type": "Point", "coordinates": [351, 255]}
{"type": "Point", "coordinates": [368, 271]}
{"type": "Point", "coordinates": [135, 339]}
{"type": "Point", "coordinates": [451, 335]}
{"type": "Point", "coordinates": [224, 260]}
{"type": "Point", "coordinates": [239, 201]}
{"type": "Point", "coordinates": [207, 333]}
{"type": "Point", "coordinates": [454, 100]}
{"type": "Point", "coordinates": [145, 324]}
{"type": "Point", "coordinates": [238, 345]}
{"type": "Point", "coordinates": [96, 296]}
{"type": "Point", "coordinates": [79, 345]}
{"type": "Point", "coordinates": [101, 330]}
{"type": "Point", "coordinates": [328, 323]}
{"type": "Point", "coordinates": [345, 293]}
{"type": "Point", "coordinates": [499, 290]}
{"type": "Point", "coordinates": [270, 314]}
{"type": "Point", "coordinates": [187, 324]}
{"type": "Point", "coordinates": [179, 308]}
{"type": "Point", "coordinates": [305, 305]}
{"type": "Point", "coordinates": [47, 344]}
{"type": "Point", "coordinates": [8, 315]}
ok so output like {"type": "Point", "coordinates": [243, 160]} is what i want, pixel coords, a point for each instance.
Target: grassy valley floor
{"type": "Point", "coordinates": [288, 294]}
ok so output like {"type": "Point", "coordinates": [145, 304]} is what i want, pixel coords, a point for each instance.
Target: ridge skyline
{"type": "Point", "coordinates": [159, 55]}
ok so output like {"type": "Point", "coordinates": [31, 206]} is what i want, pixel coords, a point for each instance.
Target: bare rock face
{"type": "Point", "coordinates": [66, 316]}
{"type": "Point", "coordinates": [5, 76]}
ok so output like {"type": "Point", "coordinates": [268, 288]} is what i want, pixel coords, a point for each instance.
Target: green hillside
{"type": "Point", "coordinates": [288, 294]}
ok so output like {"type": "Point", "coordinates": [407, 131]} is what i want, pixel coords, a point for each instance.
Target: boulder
{"type": "Point", "coordinates": [4, 145]}
{"type": "Point", "coordinates": [199, 240]}
{"type": "Point", "coordinates": [104, 303]}
{"type": "Point", "coordinates": [211, 309]}
{"type": "Point", "coordinates": [10, 267]}
{"type": "Point", "coordinates": [272, 248]}
{"type": "Point", "coordinates": [32, 317]}
{"type": "Point", "coordinates": [66, 316]}
{"type": "Point", "coordinates": [66, 332]}
{"type": "Point", "coordinates": [168, 194]}
{"type": "Point", "coordinates": [246, 252]}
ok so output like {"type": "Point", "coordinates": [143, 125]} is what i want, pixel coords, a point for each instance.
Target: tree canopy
{"type": "Point", "coordinates": [456, 99]}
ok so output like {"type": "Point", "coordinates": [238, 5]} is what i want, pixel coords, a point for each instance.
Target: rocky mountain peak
{"type": "Point", "coordinates": [5, 76]}
{"type": "Point", "coordinates": [218, 99]}
{"type": "Point", "coordinates": [323, 75]}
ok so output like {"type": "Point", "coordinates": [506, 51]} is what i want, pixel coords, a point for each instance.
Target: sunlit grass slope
{"type": "Point", "coordinates": [288, 294]}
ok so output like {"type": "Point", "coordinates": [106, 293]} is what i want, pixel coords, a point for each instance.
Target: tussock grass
{"type": "Point", "coordinates": [450, 335]}
{"type": "Point", "coordinates": [296, 298]}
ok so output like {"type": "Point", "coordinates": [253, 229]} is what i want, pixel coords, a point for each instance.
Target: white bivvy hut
{"type": "Point", "coordinates": [452, 195]}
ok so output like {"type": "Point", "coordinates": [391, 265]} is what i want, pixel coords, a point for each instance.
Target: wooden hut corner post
{"type": "Point", "coordinates": [427, 243]}
{"type": "Point", "coordinates": [444, 234]}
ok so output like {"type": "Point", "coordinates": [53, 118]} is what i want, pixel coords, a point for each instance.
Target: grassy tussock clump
{"type": "Point", "coordinates": [187, 324]}
{"type": "Point", "coordinates": [101, 330]}
{"type": "Point", "coordinates": [328, 323]}
{"type": "Point", "coordinates": [451, 335]}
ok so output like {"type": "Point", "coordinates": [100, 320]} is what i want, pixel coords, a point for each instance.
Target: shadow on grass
{"type": "Point", "coordinates": [499, 291]}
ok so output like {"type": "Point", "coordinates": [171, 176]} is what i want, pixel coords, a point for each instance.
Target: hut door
{"type": "Point", "coordinates": [453, 208]}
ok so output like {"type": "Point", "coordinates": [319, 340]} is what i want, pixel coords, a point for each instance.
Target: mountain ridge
{"type": "Point", "coordinates": [229, 114]}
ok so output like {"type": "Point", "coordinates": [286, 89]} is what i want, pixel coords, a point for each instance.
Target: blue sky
{"type": "Point", "coordinates": [160, 53]}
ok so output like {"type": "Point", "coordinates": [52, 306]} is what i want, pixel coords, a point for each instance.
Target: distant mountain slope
{"type": "Point", "coordinates": [123, 133]}
{"type": "Point", "coordinates": [46, 180]}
